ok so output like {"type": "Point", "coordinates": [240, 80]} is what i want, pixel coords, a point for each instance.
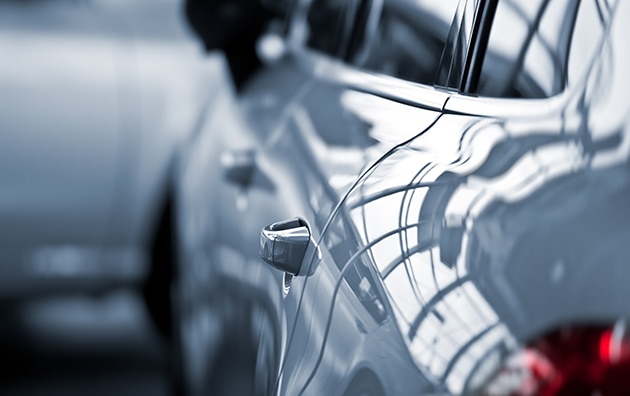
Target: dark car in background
{"type": "Point", "coordinates": [444, 195]}
{"type": "Point", "coordinates": [96, 100]}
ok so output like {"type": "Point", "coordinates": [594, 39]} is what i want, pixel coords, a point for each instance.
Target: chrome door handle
{"type": "Point", "coordinates": [283, 244]}
{"type": "Point", "coordinates": [238, 166]}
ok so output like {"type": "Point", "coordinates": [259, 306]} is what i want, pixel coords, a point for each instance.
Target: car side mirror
{"type": "Point", "coordinates": [283, 244]}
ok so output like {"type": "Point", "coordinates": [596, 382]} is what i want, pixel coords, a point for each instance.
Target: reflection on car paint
{"type": "Point", "coordinates": [452, 231]}
{"type": "Point", "coordinates": [447, 322]}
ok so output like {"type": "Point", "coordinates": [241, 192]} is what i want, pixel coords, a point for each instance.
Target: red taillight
{"type": "Point", "coordinates": [574, 361]}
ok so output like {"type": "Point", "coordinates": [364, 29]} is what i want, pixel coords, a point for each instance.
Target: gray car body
{"type": "Point", "coordinates": [477, 223]}
{"type": "Point", "coordinates": [96, 99]}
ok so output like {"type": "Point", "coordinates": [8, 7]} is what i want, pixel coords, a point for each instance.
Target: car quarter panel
{"type": "Point", "coordinates": [487, 232]}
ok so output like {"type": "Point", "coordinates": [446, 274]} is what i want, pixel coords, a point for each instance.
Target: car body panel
{"type": "Point", "coordinates": [53, 193]}
{"type": "Point", "coordinates": [94, 108]}
{"type": "Point", "coordinates": [426, 207]}
{"type": "Point", "coordinates": [300, 149]}
{"type": "Point", "coordinates": [488, 232]}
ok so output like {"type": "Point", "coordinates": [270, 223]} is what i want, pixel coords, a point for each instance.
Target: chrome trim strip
{"type": "Point", "coordinates": [505, 107]}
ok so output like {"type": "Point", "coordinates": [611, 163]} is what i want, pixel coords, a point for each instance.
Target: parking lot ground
{"type": "Point", "coordinates": [70, 346]}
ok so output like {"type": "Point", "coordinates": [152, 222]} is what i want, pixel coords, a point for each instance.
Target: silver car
{"type": "Point", "coordinates": [97, 98]}
{"type": "Point", "coordinates": [444, 197]}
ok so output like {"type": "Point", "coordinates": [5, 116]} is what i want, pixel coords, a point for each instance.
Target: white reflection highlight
{"type": "Point", "coordinates": [529, 173]}
{"type": "Point", "coordinates": [391, 122]}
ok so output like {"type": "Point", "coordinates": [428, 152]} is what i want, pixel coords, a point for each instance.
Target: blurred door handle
{"type": "Point", "coordinates": [238, 166]}
{"type": "Point", "coordinates": [361, 327]}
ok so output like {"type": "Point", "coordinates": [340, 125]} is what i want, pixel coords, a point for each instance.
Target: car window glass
{"type": "Point", "coordinates": [401, 38]}
{"type": "Point", "coordinates": [589, 29]}
{"type": "Point", "coordinates": [328, 23]}
{"type": "Point", "coordinates": [528, 49]}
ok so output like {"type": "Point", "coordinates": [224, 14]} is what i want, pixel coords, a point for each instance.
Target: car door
{"type": "Point", "coordinates": [59, 140]}
{"type": "Point", "coordinates": [294, 142]}
{"type": "Point", "coordinates": [376, 75]}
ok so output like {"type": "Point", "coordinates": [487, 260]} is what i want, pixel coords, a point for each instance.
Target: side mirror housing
{"type": "Point", "coordinates": [283, 244]}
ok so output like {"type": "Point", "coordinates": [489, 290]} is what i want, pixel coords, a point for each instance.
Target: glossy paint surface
{"type": "Point", "coordinates": [486, 233]}
{"type": "Point", "coordinates": [448, 230]}
{"type": "Point", "coordinates": [306, 158]}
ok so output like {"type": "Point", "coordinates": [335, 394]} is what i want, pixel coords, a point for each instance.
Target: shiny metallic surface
{"type": "Point", "coordinates": [284, 244]}
{"type": "Point", "coordinates": [448, 228]}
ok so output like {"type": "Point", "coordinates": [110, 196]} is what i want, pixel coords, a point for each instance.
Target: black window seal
{"type": "Point", "coordinates": [480, 36]}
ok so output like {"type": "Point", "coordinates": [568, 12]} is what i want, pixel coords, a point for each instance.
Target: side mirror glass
{"type": "Point", "coordinates": [283, 244]}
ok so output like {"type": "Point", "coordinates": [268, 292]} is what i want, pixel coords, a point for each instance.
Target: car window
{"type": "Point", "coordinates": [589, 30]}
{"type": "Point", "coordinates": [530, 45]}
{"type": "Point", "coordinates": [401, 38]}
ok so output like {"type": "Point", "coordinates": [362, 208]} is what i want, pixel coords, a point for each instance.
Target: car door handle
{"type": "Point", "coordinates": [361, 327]}
{"type": "Point", "coordinates": [283, 245]}
{"type": "Point", "coordinates": [238, 166]}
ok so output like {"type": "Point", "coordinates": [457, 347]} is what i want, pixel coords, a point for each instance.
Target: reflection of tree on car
{"type": "Point", "coordinates": [434, 222]}
{"type": "Point", "coordinates": [536, 59]}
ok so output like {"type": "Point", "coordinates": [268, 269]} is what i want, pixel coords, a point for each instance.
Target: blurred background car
{"type": "Point", "coordinates": [444, 194]}
{"type": "Point", "coordinates": [97, 98]}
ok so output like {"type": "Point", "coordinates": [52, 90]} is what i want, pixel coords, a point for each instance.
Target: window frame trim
{"type": "Point", "coordinates": [439, 98]}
